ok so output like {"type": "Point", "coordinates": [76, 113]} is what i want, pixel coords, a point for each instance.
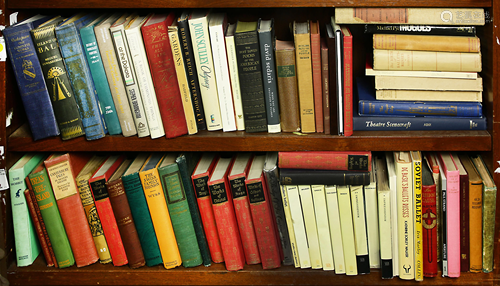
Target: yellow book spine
{"type": "Point", "coordinates": [426, 43]}
{"type": "Point", "coordinates": [417, 189]}
{"type": "Point", "coordinates": [305, 84]}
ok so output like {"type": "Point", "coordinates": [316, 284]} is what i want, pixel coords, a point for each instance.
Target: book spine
{"type": "Point", "coordinates": [306, 177]}
{"type": "Point", "coordinates": [391, 171]}
{"type": "Point", "coordinates": [404, 174]}
{"type": "Point", "coordinates": [289, 223]}
{"type": "Point", "coordinates": [347, 229]}
{"type": "Point", "coordinates": [306, 201]}
{"type": "Point", "coordinates": [416, 82]}
{"type": "Point", "coordinates": [426, 43]}
{"type": "Point", "coordinates": [380, 123]}
{"type": "Point", "coordinates": [81, 80]}
{"type": "Point", "coordinates": [325, 85]}
{"type": "Point", "coordinates": [384, 222]}
{"type": "Point", "coordinates": [359, 224]}
{"type": "Point", "coordinates": [372, 224]}
{"type": "Point", "coordinates": [235, 82]}
{"type": "Point", "coordinates": [476, 229]}
{"type": "Point", "coordinates": [341, 161]}
{"type": "Point", "coordinates": [418, 231]}
{"type": "Point", "coordinates": [348, 83]}
{"type": "Point", "coordinates": [464, 223]}
{"type": "Point", "coordinates": [266, 45]}
{"type": "Point", "coordinates": [125, 223]}
{"type": "Point", "coordinates": [421, 30]}
{"type": "Point", "coordinates": [335, 230]}
{"type": "Point", "coordinates": [316, 74]}
{"type": "Point", "coordinates": [94, 60]}
{"type": "Point", "coordinates": [429, 95]}
{"type": "Point", "coordinates": [304, 82]}
{"type": "Point", "coordinates": [453, 222]}
{"type": "Point", "coordinates": [57, 80]}
{"type": "Point", "coordinates": [298, 226]}
{"type": "Point", "coordinates": [251, 85]}
{"type": "Point", "coordinates": [429, 223]}
{"type": "Point", "coordinates": [333, 78]}
{"type": "Point", "coordinates": [489, 207]}
{"type": "Point", "coordinates": [426, 61]}
{"type": "Point", "coordinates": [443, 229]}
{"type": "Point", "coordinates": [192, 73]}
{"type": "Point", "coordinates": [400, 108]}
{"type": "Point", "coordinates": [321, 214]}
{"type": "Point", "coordinates": [288, 90]}
{"type": "Point", "coordinates": [30, 82]}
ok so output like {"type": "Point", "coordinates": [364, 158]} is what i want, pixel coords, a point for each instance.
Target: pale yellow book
{"type": "Point", "coordinates": [416, 158]}
{"type": "Point", "coordinates": [359, 224]}
{"type": "Point", "coordinates": [391, 175]}
{"type": "Point", "coordinates": [306, 201]}
{"type": "Point", "coordinates": [384, 214]}
{"type": "Point", "coordinates": [298, 226]}
{"type": "Point", "coordinates": [426, 43]}
{"type": "Point", "coordinates": [372, 230]}
{"type": "Point", "coordinates": [335, 230]}
{"type": "Point", "coordinates": [422, 83]}
{"type": "Point", "coordinates": [321, 213]}
{"type": "Point", "coordinates": [289, 224]}
{"type": "Point", "coordinates": [428, 95]}
{"type": "Point", "coordinates": [347, 229]}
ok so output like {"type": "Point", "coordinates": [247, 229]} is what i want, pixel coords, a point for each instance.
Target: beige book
{"type": "Point", "coordinates": [298, 226]}
{"type": "Point", "coordinates": [289, 224]}
{"type": "Point", "coordinates": [384, 211]}
{"type": "Point", "coordinates": [335, 230]}
{"type": "Point", "coordinates": [426, 61]}
{"type": "Point", "coordinates": [426, 43]}
{"type": "Point", "coordinates": [347, 229]}
{"type": "Point", "coordinates": [321, 212]}
{"type": "Point", "coordinates": [359, 221]}
{"type": "Point", "coordinates": [420, 83]}
{"type": "Point", "coordinates": [428, 95]}
{"type": "Point", "coordinates": [391, 175]}
{"type": "Point", "coordinates": [310, 223]}
{"type": "Point", "coordinates": [372, 229]}
{"type": "Point", "coordinates": [233, 74]}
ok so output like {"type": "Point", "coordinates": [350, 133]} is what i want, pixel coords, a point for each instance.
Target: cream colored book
{"type": "Point", "coordinates": [371, 206]}
{"type": "Point", "coordinates": [429, 95]}
{"type": "Point", "coordinates": [426, 43]}
{"type": "Point", "coordinates": [426, 74]}
{"type": "Point", "coordinates": [391, 174]}
{"type": "Point", "coordinates": [298, 226]}
{"type": "Point", "coordinates": [143, 75]}
{"type": "Point", "coordinates": [180, 70]}
{"type": "Point", "coordinates": [347, 229]}
{"type": "Point", "coordinates": [335, 230]}
{"type": "Point", "coordinates": [233, 74]}
{"type": "Point", "coordinates": [359, 223]}
{"type": "Point", "coordinates": [306, 201]}
{"type": "Point", "coordinates": [416, 159]}
{"type": "Point", "coordinates": [421, 83]}
{"type": "Point", "coordinates": [320, 210]}
{"type": "Point", "coordinates": [289, 224]}
{"type": "Point", "coordinates": [384, 219]}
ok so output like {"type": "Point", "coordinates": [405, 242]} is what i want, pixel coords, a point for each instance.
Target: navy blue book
{"type": "Point", "coordinates": [75, 60]}
{"type": "Point", "coordinates": [369, 106]}
{"type": "Point", "coordinates": [29, 77]}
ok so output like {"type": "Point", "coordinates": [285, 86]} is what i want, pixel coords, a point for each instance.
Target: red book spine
{"type": "Point", "coordinates": [326, 160]}
{"type": "Point", "coordinates": [316, 73]}
{"type": "Point", "coordinates": [162, 67]}
{"type": "Point", "coordinates": [348, 86]}
{"type": "Point", "coordinates": [429, 224]}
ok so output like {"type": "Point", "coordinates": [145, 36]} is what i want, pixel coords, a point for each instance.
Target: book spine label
{"type": "Point", "coordinates": [418, 231]}
{"type": "Point", "coordinates": [421, 30]}
{"type": "Point", "coordinates": [321, 214]}
{"type": "Point", "coordinates": [235, 82]}
{"type": "Point", "coordinates": [288, 92]}
{"type": "Point", "coordinates": [379, 123]}
{"type": "Point", "coordinates": [426, 43]}
{"type": "Point", "coordinates": [304, 82]}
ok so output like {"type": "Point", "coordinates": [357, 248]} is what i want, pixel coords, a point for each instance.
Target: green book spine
{"type": "Point", "coordinates": [186, 164]}
{"type": "Point", "coordinates": [142, 219]}
{"type": "Point", "coordinates": [53, 223]}
{"type": "Point", "coordinates": [178, 208]}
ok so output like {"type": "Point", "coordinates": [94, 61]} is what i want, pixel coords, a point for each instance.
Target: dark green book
{"type": "Point", "coordinates": [178, 209]}
{"type": "Point", "coordinates": [140, 211]}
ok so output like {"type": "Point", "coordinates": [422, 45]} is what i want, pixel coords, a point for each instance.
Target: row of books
{"type": "Point", "coordinates": [342, 211]}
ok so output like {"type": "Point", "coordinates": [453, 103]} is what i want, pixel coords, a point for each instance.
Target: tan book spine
{"type": "Point", "coordinates": [428, 95]}
{"type": "Point", "coordinates": [475, 225]}
{"type": "Point", "coordinates": [426, 61]}
{"type": "Point", "coordinates": [422, 83]}
{"type": "Point", "coordinates": [426, 43]}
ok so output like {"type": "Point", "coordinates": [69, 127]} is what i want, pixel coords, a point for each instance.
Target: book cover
{"type": "Point", "coordinates": [287, 86]}
{"type": "Point", "coordinates": [95, 63]}
{"type": "Point", "coordinates": [429, 221]}
{"type": "Point", "coordinates": [160, 216]}
{"type": "Point", "coordinates": [29, 77]}
{"type": "Point", "coordinates": [233, 75]}
{"type": "Point", "coordinates": [426, 43]}
{"type": "Point", "coordinates": [347, 229]}
{"type": "Point", "coordinates": [420, 29]}
{"type": "Point", "coordinates": [323, 227]}
{"type": "Point", "coordinates": [323, 177]}
{"type": "Point", "coordinates": [236, 177]}
{"type": "Point", "coordinates": [436, 83]}
{"type": "Point", "coordinates": [391, 174]}
{"type": "Point", "coordinates": [359, 224]}
{"type": "Point", "coordinates": [347, 79]}
{"type": "Point", "coordinates": [225, 218]}
{"type": "Point", "coordinates": [316, 74]}
{"type": "Point", "coordinates": [335, 229]}
{"type": "Point", "coordinates": [299, 228]}
{"type": "Point", "coordinates": [327, 160]}
{"type": "Point", "coordinates": [384, 217]}
{"type": "Point", "coordinates": [248, 57]}
{"type": "Point", "coordinates": [372, 223]}
{"type": "Point", "coordinates": [289, 224]}
{"type": "Point", "coordinates": [416, 160]}
{"type": "Point", "coordinates": [200, 38]}
{"type": "Point", "coordinates": [140, 211]}
{"type": "Point", "coordinates": [325, 85]}
{"type": "Point", "coordinates": [334, 43]}
{"type": "Point", "coordinates": [307, 203]}
{"type": "Point", "coordinates": [143, 75]}
{"type": "Point", "coordinates": [178, 209]}
{"type": "Point", "coordinates": [269, 80]}
{"type": "Point", "coordinates": [162, 65]}
{"type": "Point", "coordinates": [464, 214]}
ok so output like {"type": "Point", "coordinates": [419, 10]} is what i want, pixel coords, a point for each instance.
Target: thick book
{"type": "Point", "coordinates": [187, 162]}
{"type": "Point", "coordinates": [316, 74]}
{"type": "Point", "coordinates": [287, 86]}
{"type": "Point", "coordinates": [236, 177]}
{"type": "Point", "coordinates": [334, 43]}
{"type": "Point", "coordinates": [54, 226]}
{"type": "Point", "coordinates": [104, 208]}
{"type": "Point", "coordinates": [56, 77]}
{"type": "Point", "coordinates": [325, 85]}
{"type": "Point", "coordinates": [26, 243]}
{"type": "Point", "coordinates": [143, 74]}
{"type": "Point", "coordinates": [246, 39]}
{"type": "Point", "coordinates": [302, 40]}
{"type": "Point", "coordinates": [323, 226]}
{"type": "Point", "coordinates": [289, 224]}
{"type": "Point", "coordinates": [359, 224]}
{"type": "Point", "coordinates": [129, 78]}
{"type": "Point", "coordinates": [327, 160]}
{"type": "Point", "coordinates": [420, 16]}
{"type": "Point", "coordinates": [464, 214]}
{"type": "Point", "coordinates": [217, 27]}
{"type": "Point", "coordinates": [95, 63]}
{"type": "Point", "coordinates": [416, 161]}
{"type": "Point", "coordinates": [233, 75]}
{"type": "Point", "coordinates": [200, 38]}
{"type": "Point", "coordinates": [161, 63]}
{"type": "Point", "coordinates": [191, 71]}
{"type": "Point", "coordinates": [199, 178]}
{"type": "Point", "coordinates": [372, 223]}
{"type": "Point", "coordinates": [262, 212]}
{"type": "Point", "coordinates": [123, 216]}
{"type": "Point", "coordinates": [391, 175]}
{"type": "Point", "coordinates": [420, 29]}
{"type": "Point", "coordinates": [347, 78]}
{"type": "Point", "coordinates": [421, 83]}
{"type": "Point", "coordinates": [307, 204]}
{"type": "Point", "coordinates": [82, 182]}
{"type": "Point", "coordinates": [299, 228]}
{"type": "Point", "coordinates": [110, 62]}
{"type": "Point", "coordinates": [158, 209]}
{"type": "Point", "coordinates": [269, 79]}
{"type": "Point", "coordinates": [29, 77]}
{"type": "Point", "coordinates": [140, 211]}
{"type": "Point", "coordinates": [323, 177]}
{"type": "Point", "coordinates": [335, 229]}
{"type": "Point", "coordinates": [178, 209]}
{"type": "Point", "coordinates": [62, 171]}
{"type": "Point", "coordinates": [347, 229]}
{"type": "Point", "coordinates": [489, 208]}
{"type": "Point", "coordinates": [429, 221]}
{"type": "Point", "coordinates": [426, 43]}
{"type": "Point", "coordinates": [73, 54]}
{"type": "Point", "coordinates": [384, 217]}
{"type": "Point", "coordinates": [225, 219]}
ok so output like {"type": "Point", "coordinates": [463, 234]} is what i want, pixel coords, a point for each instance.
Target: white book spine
{"type": "Point", "coordinates": [298, 226]}
{"type": "Point", "coordinates": [145, 82]}
{"type": "Point", "coordinates": [347, 229]}
{"type": "Point", "coordinates": [235, 82]}
{"type": "Point", "coordinates": [325, 244]}
{"type": "Point", "coordinates": [335, 230]}
{"type": "Point", "coordinates": [391, 172]}
{"type": "Point", "coordinates": [372, 223]}
{"type": "Point", "coordinates": [384, 222]}
{"type": "Point", "coordinates": [289, 223]}
{"type": "Point", "coordinates": [310, 224]}
{"type": "Point", "coordinates": [358, 219]}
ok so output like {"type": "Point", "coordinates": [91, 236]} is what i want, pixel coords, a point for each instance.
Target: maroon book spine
{"type": "Point", "coordinates": [464, 224]}
{"type": "Point", "coordinates": [429, 224]}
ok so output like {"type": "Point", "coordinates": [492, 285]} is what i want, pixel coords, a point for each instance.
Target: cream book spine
{"type": "Point", "coordinates": [422, 83]}
{"type": "Point", "coordinates": [335, 230]}
{"type": "Point", "coordinates": [298, 226]}
{"type": "Point", "coordinates": [359, 223]}
{"type": "Point", "coordinates": [289, 223]}
{"type": "Point", "coordinates": [372, 227]}
{"type": "Point", "coordinates": [429, 95]}
{"type": "Point", "coordinates": [233, 74]}
{"type": "Point", "coordinates": [321, 213]}
{"type": "Point", "coordinates": [391, 174]}
{"type": "Point", "coordinates": [306, 201]}
{"type": "Point", "coordinates": [347, 229]}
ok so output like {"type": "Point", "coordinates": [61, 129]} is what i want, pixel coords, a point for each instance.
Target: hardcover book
{"type": "Point", "coordinates": [327, 160]}
{"type": "Point", "coordinates": [436, 83]}
{"type": "Point", "coordinates": [316, 74]}
{"type": "Point", "coordinates": [334, 43]}
{"type": "Point", "coordinates": [429, 95]}
{"type": "Point", "coordinates": [348, 87]}
{"type": "Point", "coordinates": [323, 177]}
{"type": "Point", "coordinates": [416, 160]}
{"type": "Point", "coordinates": [420, 29]}
{"type": "Point", "coordinates": [325, 85]}
{"type": "Point", "coordinates": [426, 43]}
{"type": "Point", "coordinates": [233, 74]}
{"type": "Point", "coordinates": [464, 214]}
{"type": "Point", "coordinates": [429, 221]}
{"type": "Point", "coordinates": [384, 219]}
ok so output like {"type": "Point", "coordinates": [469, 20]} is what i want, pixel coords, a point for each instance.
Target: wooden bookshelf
{"type": "Point", "coordinates": [16, 139]}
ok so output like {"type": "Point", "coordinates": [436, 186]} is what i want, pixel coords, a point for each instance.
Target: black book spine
{"type": "Point", "coordinates": [421, 30]}
{"type": "Point", "coordinates": [386, 268]}
{"type": "Point", "coordinates": [363, 264]}
{"type": "Point", "coordinates": [323, 177]}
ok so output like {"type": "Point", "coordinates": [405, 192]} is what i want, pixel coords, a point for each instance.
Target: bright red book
{"type": "Point", "coordinates": [260, 206]}
{"type": "Point", "coordinates": [237, 177]}
{"type": "Point", "coordinates": [104, 209]}
{"type": "Point", "coordinates": [200, 177]}
{"type": "Point", "coordinates": [62, 171]}
{"type": "Point", "coordinates": [225, 219]}
{"type": "Point", "coordinates": [429, 221]}
{"type": "Point", "coordinates": [348, 85]}
{"type": "Point", "coordinates": [326, 160]}
{"type": "Point", "coordinates": [161, 63]}
{"type": "Point", "coordinates": [316, 73]}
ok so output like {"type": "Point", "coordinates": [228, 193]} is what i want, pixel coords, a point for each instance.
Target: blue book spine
{"type": "Point", "coordinates": [30, 81]}
{"type": "Point", "coordinates": [385, 123]}
{"type": "Point", "coordinates": [96, 66]}
{"type": "Point", "coordinates": [81, 79]}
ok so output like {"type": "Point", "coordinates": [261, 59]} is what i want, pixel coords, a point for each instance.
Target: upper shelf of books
{"type": "Point", "coordinates": [69, 4]}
